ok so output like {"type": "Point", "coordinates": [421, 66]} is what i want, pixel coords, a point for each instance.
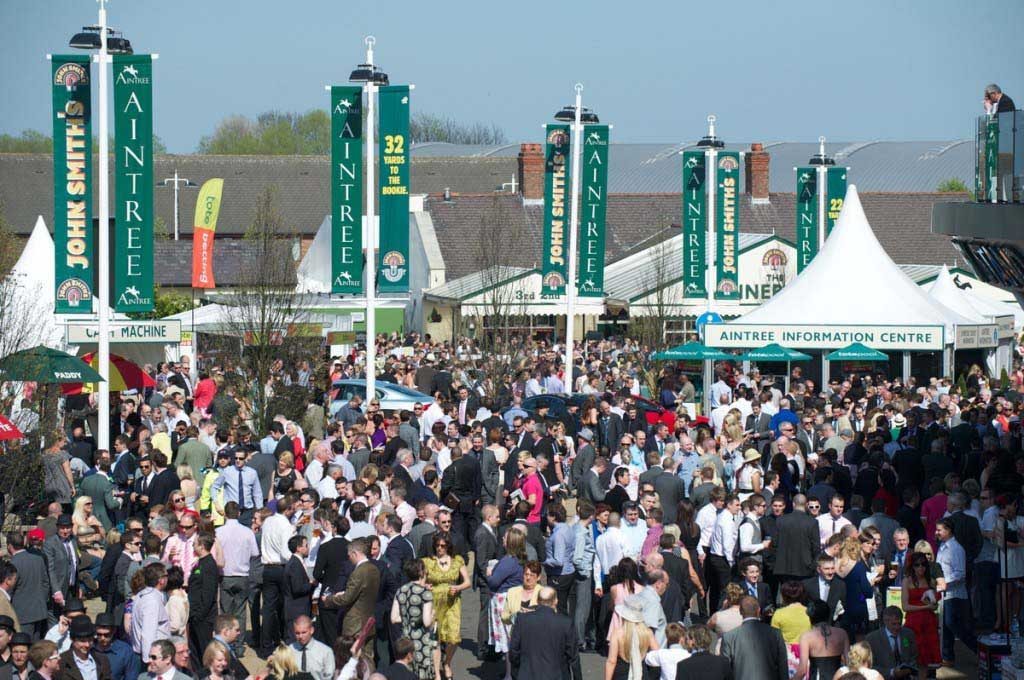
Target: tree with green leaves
{"type": "Point", "coordinates": [33, 141]}
{"type": "Point", "coordinates": [953, 185]}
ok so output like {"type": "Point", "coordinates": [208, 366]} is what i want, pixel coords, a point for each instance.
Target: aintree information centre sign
{"type": "Point", "coordinates": [904, 338]}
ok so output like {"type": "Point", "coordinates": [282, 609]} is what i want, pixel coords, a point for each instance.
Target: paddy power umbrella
{"type": "Point", "coordinates": [46, 365]}
{"type": "Point", "coordinates": [775, 352]}
{"type": "Point", "coordinates": [692, 351]}
{"type": "Point", "coordinates": [124, 375]}
{"type": "Point", "coordinates": [857, 352]}
{"type": "Point", "coordinates": [9, 430]}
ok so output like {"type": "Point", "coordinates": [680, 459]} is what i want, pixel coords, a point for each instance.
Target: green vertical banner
{"type": "Point", "coordinates": [594, 206]}
{"type": "Point", "coordinates": [806, 216]}
{"type": "Point", "coordinates": [727, 226]}
{"type": "Point", "coordinates": [72, 184]}
{"type": "Point", "coordinates": [346, 189]}
{"type": "Point", "coordinates": [992, 159]}
{"type": "Point", "coordinates": [133, 183]}
{"type": "Point", "coordinates": [556, 210]}
{"type": "Point", "coordinates": [836, 181]}
{"type": "Point", "coordinates": [695, 224]}
{"type": "Point", "coordinates": [394, 189]}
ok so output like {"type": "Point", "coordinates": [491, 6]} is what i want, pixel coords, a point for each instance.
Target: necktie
{"type": "Point", "coordinates": [895, 649]}
{"type": "Point", "coordinates": [241, 491]}
{"type": "Point", "coordinates": [145, 484]}
{"type": "Point", "coordinates": [71, 562]}
{"type": "Point", "coordinates": [753, 589]}
{"type": "Point", "coordinates": [833, 526]}
{"type": "Point", "coordinates": [303, 657]}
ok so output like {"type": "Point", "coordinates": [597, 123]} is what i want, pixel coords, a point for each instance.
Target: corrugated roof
{"type": "Point", "coordinates": [471, 284]}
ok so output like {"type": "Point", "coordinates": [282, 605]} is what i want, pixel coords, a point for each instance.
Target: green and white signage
{"type": "Point", "coordinates": [346, 189]}
{"type": "Point", "coordinates": [727, 226]}
{"type": "Point", "coordinates": [695, 225]}
{"type": "Point", "coordinates": [556, 210]}
{"type": "Point", "coordinates": [394, 189]}
{"type": "Point", "coordinates": [72, 184]}
{"type": "Point", "coordinates": [806, 216]}
{"type": "Point", "coordinates": [992, 159]}
{"type": "Point", "coordinates": [133, 183]}
{"type": "Point", "coordinates": [836, 181]}
{"type": "Point", "coordinates": [594, 206]}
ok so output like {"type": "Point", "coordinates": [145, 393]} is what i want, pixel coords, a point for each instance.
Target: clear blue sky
{"type": "Point", "coordinates": [874, 69]}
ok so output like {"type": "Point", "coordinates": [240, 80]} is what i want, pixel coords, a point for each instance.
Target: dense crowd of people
{"type": "Point", "coordinates": [777, 530]}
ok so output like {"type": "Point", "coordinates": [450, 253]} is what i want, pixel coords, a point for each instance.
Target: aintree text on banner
{"type": "Point", "coordinates": [594, 204]}
{"type": "Point", "coordinates": [346, 189]}
{"type": "Point", "coordinates": [695, 225]}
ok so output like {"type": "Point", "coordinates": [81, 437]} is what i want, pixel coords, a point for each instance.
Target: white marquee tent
{"type": "Point", "coordinates": [964, 301]}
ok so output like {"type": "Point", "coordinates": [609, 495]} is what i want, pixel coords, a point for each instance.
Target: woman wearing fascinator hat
{"type": "Point", "coordinates": [630, 643]}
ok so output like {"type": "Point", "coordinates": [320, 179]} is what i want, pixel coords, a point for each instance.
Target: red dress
{"type": "Point", "coordinates": [925, 625]}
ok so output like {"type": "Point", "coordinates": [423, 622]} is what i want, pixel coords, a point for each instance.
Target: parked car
{"type": "Point", "coordinates": [653, 412]}
{"type": "Point", "coordinates": [392, 397]}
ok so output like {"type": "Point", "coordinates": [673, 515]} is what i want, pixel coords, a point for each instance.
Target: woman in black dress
{"type": "Point", "coordinates": [823, 647]}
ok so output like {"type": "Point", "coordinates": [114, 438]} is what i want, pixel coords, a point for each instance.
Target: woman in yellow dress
{"type": "Point", "coordinates": [447, 577]}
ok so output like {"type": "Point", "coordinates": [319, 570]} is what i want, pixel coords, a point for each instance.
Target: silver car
{"type": "Point", "coordinates": [392, 397]}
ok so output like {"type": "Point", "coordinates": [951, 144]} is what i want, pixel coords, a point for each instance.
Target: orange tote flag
{"type": "Point", "coordinates": [207, 208]}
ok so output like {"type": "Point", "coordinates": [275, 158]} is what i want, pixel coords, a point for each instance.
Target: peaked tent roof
{"type": "Point", "coordinates": [883, 295]}
{"type": "Point", "coordinates": [966, 302]}
{"type": "Point", "coordinates": [313, 275]}
{"type": "Point", "coordinates": [33, 275]}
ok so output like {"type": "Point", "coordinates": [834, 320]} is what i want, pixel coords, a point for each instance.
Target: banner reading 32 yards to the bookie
{"type": "Point", "coordinates": [556, 205]}
{"type": "Point", "coordinates": [727, 227]}
{"type": "Point", "coordinates": [133, 183]}
{"type": "Point", "coordinates": [72, 184]}
{"type": "Point", "coordinates": [394, 189]}
{"type": "Point", "coordinates": [346, 189]}
{"type": "Point", "coordinates": [594, 204]}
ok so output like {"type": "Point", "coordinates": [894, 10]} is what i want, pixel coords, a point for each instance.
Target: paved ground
{"type": "Point", "coordinates": [466, 665]}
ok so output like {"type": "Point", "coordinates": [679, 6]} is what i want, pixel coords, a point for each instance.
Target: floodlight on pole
{"type": "Point", "coordinates": [177, 182]}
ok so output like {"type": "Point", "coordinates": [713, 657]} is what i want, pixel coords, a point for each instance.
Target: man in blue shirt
{"type": "Point", "coordinates": [560, 547]}
{"type": "Point", "coordinates": [956, 615]}
{"type": "Point", "coordinates": [242, 485]}
{"type": "Point", "coordinates": [689, 462]}
{"type": "Point", "coordinates": [124, 664]}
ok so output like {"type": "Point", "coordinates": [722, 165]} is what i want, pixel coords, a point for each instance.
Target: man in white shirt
{"type": "Point", "coordinates": [832, 523]}
{"type": "Point", "coordinates": [706, 518]}
{"type": "Point", "coordinates": [722, 550]}
{"type": "Point", "coordinates": [313, 656]}
{"type": "Point", "coordinates": [634, 530]}
{"type": "Point", "coordinates": [719, 412]}
{"type": "Point", "coordinates": [751, 544]}
{"type": "Point", "coordinates": [276, 531]}
{"type": "Point", "coordinates": [719, 389]}
{"type": "Point", "coordinates": [317, 468]}
{"type": "Point", "coordinates": [610, 549]}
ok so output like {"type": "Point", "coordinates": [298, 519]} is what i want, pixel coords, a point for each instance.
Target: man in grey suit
{"type": "Point", "coordinates": [590, 488]}
{"type": "Point", "coordinates": [755, 649]}
{"type": "Point", "coordinates": [32, 589]}
{"type": "Point", "coordinates": [893, 647]}
{"type": "Point", "coordinates": [886, 526]}
{"type": "Point", "coordinates": [489, 470]}
{"type": "Point", "coordinates": [584, 459]}
{"type": "Point", "coordinates": [485, 549]}
{"type": "Point", "coordinates": [61, 554]}
{"type": "Point", "coordinates": [161, 663]}
{"type": "Point", "coordinates": [670, 489]}
{"type": "Point", "coordinates": [360, 454]}
{"type": "Point", "coordinates": [424, 528]}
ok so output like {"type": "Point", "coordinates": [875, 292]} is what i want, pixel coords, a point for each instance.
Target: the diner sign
{"type": "Point", "coordinates": [745, 336]}
{"type": "Point", "coordinates": [727, 226]}
{"type": "Point", "coordinates": [394, 189]}
{"type": "Point", "coordinates": [346, 189]}
{"type": "Point", "coordinates": [806, 216]}
{"type": "Point", "coordinates": [556, 203]}
{"type": "Point", "coordinates": [695, 225]}
{"type": "Point", "coordinates": [133, 183]}
{"type": "Point", "coordinates": [594, 205]}
{"type": "Point", "coordinates": [72, 184]}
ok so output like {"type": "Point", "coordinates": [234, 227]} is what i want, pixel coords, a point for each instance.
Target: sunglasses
{"type": "Point", "coordinates": [813, 507]}
{"type": "Point", "coordinates": [240, 458]}
{"type": "Point", "coordinates": [177, 500]}
{"type": "Point", "coordinates": [152, 657]}
{"type": "Point", "coordinates": [187, 526]}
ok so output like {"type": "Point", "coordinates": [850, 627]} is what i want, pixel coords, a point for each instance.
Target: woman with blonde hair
{"type": "Point", "coordinates": [859, 660]}
{"type": "Point", "coordinates": [187, 485]}
{"type": "Point", "coordinates": [283, 665]}
{"type": "Point", "coordinates": [852, 568]}
{"type": "Point", "coordinates": [87, 528]}
{"type": "Point", "coordinates": [630, 644]}
{"type": "Point", "coordinates": [216, 661]}
{"type": "Point", "coordinates": [729, 617]}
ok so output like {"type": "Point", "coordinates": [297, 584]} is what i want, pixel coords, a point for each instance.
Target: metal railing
{"type": "Point", "coordinates": [999, 147]}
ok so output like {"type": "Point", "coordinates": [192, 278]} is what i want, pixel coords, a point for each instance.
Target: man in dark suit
{"type": "Point", "coordinates": [758, 422]}
{"type": "Point", "coordinates": [464, 480]}
{"type": "Point", "coordinates": [164, 482]}
{"type": "Point", "coordinates": [670, 489]}
{"type": "Point", "coordinates": [653, 460]}
{"type": "Point", "coordinates": [796, 542]}
{"type": "Point", "coordinates": [82, 633]}
{"type": "Point", "coordinates": [297, 587]}
{"type": "Point", "coordinates": [609, 428]}
{"type": "Point", "coordinates": [485, 548]}
{"type": "Point", "coordinates": [590, 487]}
{"type": "Point", "coordinates": [400, 549]}
{"type": "Point", "coordinates": [61, 555]}
{"type": "Point", "coordinates": [755, 649]}
{"type": "Point", "coordinates": [203, 586]}
{"type": "Point", "coordinates": [544, 641]}
{"type": "Point", "coordinates": [585, 457]}
{"type": "Point", "coordinates": [753, 584]}
{"type": "Point", "coordinates": [995, 101]}
{"type": "Point", "coordinates": [825, 586]}
{"type": "Point", "coordinates": [893, 647]}
{"type": "Point", "coordinates": [701, 662]}
{"type": "Point", "coordinates": [966, 529]}
{"type": "Point", "coordinates": [468, 405]}
{"type": "Point", "coordinates": [331, 561]}
{"type": "Point", "coordinates": [360, 595]}
{"type": "Point", "coordinates": [401, 669]}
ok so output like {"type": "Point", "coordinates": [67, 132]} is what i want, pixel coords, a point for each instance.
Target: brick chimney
{"type": "Point", "coordinates": [757, 173]}
{"type": "Point", "coordinates": [531, 171]}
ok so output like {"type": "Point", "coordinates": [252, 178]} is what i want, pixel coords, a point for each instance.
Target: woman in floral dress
{"type": "Point", "coordinates": [414, 610]}
{"type": "Point", "coordinates": [447, 576]}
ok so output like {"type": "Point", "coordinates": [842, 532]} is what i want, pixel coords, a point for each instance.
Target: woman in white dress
{"type": "Point", "coordinates": [750, 475]}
